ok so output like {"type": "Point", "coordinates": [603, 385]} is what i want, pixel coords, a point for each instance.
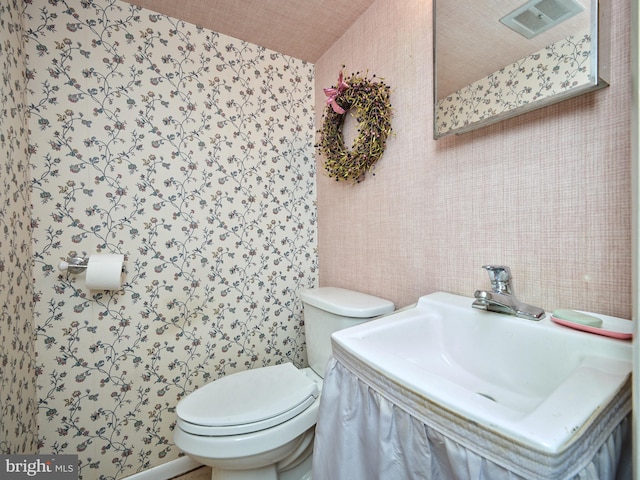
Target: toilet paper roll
{"type": "Point", "coordinates": [104, 272]}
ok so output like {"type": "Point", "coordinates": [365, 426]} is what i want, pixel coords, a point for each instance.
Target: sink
{"type": "Point", "coordinates": [538, 383]}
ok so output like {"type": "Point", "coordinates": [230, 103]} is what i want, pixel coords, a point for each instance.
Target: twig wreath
{"type": "Point", "coordinates": [370, 101]}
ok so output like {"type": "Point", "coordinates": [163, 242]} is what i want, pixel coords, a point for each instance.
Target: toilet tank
{"type": "Point", "coordinates": [329, 309]}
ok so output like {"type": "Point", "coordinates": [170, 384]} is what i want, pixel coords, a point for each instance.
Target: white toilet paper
{"type": "Point", "coordinates": [104, 272]}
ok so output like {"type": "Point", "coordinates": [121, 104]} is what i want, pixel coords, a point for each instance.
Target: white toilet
{"type": "Point", "coordinates": [259, 424]}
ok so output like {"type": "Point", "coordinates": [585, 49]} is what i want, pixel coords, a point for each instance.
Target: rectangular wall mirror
{"type": "Point", "coordinates": [494, 59]}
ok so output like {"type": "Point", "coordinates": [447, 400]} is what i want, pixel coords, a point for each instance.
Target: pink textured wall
{"type": "Point", "coordinates": [547, 193]}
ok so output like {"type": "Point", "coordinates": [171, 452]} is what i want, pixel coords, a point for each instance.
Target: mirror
{"type": "Point", "coordinates": [487, 70]}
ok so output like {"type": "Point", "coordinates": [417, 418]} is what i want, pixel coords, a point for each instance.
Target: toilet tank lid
{"type": "Point", "coordinates": [347, 303]}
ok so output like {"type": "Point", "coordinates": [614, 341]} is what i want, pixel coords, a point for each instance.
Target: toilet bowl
{"type": "Point", "coordinates": [252, 420]}
{"type": "Point", "coordinates": [259, 424]}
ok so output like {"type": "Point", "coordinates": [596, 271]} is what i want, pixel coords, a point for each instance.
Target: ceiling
{"type": "Point", "coordinates": [467, 31]}
{"type": "Point", "coordinates": [303, 29]}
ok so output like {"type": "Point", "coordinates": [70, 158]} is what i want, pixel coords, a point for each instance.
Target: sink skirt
{"type": "Point", "coordinates": [372, 428]}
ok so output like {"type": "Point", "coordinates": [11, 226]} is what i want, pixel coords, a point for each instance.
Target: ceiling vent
{"type": "Point", "coordinates": [537, 16]}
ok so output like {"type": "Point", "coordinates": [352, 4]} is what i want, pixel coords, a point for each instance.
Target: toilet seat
{"type": "Point", "coordinates": [247, 401]}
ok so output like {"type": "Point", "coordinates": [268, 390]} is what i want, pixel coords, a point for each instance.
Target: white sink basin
{"type": "Point", "coordinates": [535, 382]}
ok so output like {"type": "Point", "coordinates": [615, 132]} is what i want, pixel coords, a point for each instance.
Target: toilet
{"type": "Point", "coordinates": [259, 424]}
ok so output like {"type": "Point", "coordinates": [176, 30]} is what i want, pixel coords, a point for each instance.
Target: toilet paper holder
{"type": "Point", "coordinates": [74, 263]}
{"type": "Point", "coordinates": [104, 271]}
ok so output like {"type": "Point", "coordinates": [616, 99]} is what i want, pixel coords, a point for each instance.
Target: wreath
{"type": "Point", "coordinates": [370, 101]}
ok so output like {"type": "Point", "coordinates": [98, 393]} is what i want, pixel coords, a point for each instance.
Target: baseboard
{"type": "Point", "coordinates": [167, 470]}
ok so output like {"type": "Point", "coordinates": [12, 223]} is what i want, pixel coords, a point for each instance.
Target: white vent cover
{"type": "Point", "coordinates": [537, 16]}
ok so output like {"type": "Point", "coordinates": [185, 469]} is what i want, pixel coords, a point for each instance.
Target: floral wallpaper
{"type": "Point", "coordinates": [18, 406]}
{"type": "Point", "coordinates": [555, 69]}
{"type": "Point", "coordinates": [191, 153]}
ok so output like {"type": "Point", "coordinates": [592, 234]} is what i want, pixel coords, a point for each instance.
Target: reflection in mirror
{"type": "Point", "coordinates": [494, 59]}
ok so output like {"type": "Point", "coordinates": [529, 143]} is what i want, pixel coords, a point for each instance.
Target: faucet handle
{"type": "Point", "coordinates": [500, 276]}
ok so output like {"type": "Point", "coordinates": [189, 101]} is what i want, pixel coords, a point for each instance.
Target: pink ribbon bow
{"type": "Point", "coordinates": [332, 94]}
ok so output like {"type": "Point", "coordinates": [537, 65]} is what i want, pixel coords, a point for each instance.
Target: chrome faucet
{"type": "Point", "coordinates": [501, 298]}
